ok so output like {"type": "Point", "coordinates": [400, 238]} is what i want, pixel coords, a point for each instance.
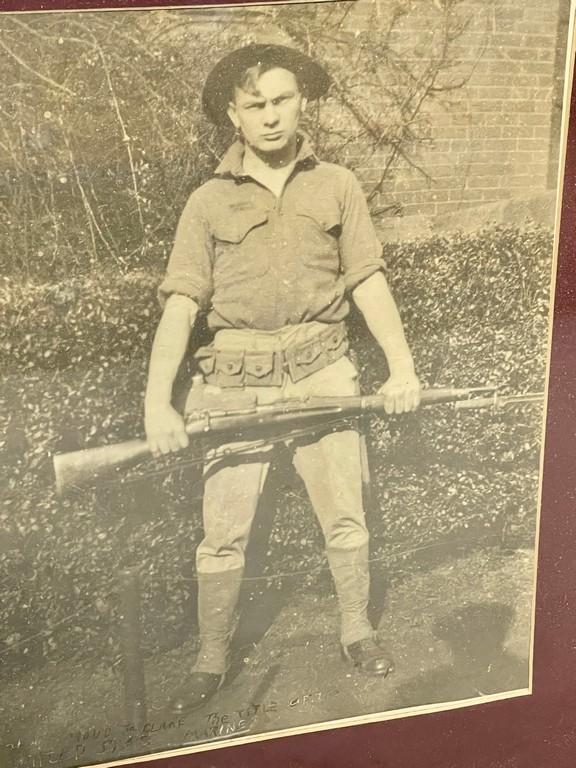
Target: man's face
{"type": "Point", "coordinates": [269, 117]}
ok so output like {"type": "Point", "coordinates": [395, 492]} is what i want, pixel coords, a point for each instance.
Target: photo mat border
{"type": "Point", "coordinates": [410, 712]}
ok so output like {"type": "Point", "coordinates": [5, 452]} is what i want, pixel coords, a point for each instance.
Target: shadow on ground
{"type": "Point", "coordinates": [479, 665]}
{"type": "Point", "coordinates": [458, 627]}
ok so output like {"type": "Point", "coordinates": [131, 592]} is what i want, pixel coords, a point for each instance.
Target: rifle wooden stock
{"type": "Point", "coordinates": [80, 468]}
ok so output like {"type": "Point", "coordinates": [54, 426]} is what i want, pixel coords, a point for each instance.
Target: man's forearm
{"type": "Point", "coordinates": [168, 349]}
{"type": "Point", "coordinates": [376, 303]}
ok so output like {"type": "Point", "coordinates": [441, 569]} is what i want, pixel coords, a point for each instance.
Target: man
{"type": "Point", "coordinates": [272, 248]}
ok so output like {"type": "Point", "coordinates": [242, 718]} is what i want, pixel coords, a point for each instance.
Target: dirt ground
{"type": "Point", "coordinates": [458, 628]}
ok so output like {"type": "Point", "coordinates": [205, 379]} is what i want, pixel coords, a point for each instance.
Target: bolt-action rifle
{"type": "Point", "coordinates": [83, 467]}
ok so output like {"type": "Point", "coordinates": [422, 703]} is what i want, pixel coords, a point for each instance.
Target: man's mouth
{"type": "Point", "coordinates": [273, 136]}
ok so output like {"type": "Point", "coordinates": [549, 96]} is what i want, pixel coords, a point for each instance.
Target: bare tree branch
{"type": "Point", "coordinates": [39, 75]}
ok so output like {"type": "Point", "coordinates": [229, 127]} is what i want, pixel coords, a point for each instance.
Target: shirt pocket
{"type": "Point", "coordinates": [240, 246]}
{"type": "Point", "coordinates": [318, 228]}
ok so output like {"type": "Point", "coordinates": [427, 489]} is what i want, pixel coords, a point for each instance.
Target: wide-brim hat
{"type": "Point", "coordinates": [217, 92]}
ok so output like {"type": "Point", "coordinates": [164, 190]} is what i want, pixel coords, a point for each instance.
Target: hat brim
{"type": "Point", "coordinates": [219, 85]}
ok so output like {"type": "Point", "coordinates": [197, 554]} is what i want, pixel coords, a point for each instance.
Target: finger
{"type": "Point", "coordinates": [397, 401]}
{"type": "Point", "coordinates": [154, 447]}
{"type": "Point", "coordinates": [183, 440]}
{"type": "Point", "coordinates": [406, 402]}
{"type": "Point", "coordinates": [164, 446]}
{"type": "Point", "coordinates": [410, 401]}
{"type": "Point", "coordinates": [174, 442]}
{"type": "Point", "coordinates": [389, 404]}
{"type": "Point", "coordinates": [179, 440]}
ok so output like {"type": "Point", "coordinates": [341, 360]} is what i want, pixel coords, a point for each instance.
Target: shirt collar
{"type": "Point", "coordinates": [231, 163]}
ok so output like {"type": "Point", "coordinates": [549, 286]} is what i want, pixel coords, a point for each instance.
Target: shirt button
{"type": "Point", "coordinates": [258, 368]}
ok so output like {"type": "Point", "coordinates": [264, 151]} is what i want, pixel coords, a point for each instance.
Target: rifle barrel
{"type": "Point", "coordinates": [500, 401]}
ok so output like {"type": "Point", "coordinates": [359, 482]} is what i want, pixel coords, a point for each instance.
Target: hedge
{"type": "Point", "coordinates": [74, 359]}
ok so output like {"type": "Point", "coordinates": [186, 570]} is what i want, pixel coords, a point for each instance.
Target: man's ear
{"type": "Point", "coordinates": [304, 104]}
{"type": "Point", "coordinates": [233, 115]}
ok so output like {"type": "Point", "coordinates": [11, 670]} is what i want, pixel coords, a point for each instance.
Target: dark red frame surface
{"type": "Point", "coordinates": [530, 732]}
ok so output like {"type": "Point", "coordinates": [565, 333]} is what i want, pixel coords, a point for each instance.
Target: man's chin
{"type": "Point", "coordinates": [272, 147]}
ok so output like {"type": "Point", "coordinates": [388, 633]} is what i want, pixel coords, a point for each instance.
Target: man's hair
{"type": "Point", "coordinates": [242, 67]}
{"type": "Point", "coordinates": [247, 79]}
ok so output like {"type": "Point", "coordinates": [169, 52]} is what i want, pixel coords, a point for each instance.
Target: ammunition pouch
{"type": "Point", "coordinates": [258, 368]}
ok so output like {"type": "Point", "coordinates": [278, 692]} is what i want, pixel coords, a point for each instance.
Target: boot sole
{"type": "Point", "coordinates": [183, 711]}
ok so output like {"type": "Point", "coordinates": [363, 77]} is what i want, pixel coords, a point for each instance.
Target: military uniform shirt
{"type": "Point", "coordinates": [252, 260]}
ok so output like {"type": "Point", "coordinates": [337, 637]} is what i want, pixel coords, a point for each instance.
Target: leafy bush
{"type": "Point", "coordinates": [74, 361]}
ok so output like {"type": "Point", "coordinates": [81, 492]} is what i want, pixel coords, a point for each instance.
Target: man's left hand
{"type": "Point", "coordinates": [401, 393]}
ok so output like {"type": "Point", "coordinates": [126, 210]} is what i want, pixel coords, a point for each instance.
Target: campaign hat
{"type": "Point", "coordinates": [219, 85]}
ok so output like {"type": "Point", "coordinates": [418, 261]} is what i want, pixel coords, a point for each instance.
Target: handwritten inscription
{"type": "Point", "coordinates": [221, 724]}
{"type": "Point", "coordinates": [111, 741]}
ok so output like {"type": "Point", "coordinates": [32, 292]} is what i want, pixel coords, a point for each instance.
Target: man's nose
{"type": "Point", "coordinates": [270, 114]}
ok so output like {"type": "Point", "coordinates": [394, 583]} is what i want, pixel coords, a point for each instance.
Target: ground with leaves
{"type": "Point", "coordinates": [457, 623]}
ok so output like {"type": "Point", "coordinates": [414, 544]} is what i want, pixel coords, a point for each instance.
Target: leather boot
{"type": "Point", "coordinates": [369, 657]}
{"type": "Point", "coordinates": [351, 574]}
{"type": "Point", "coordinates": [217, 600]}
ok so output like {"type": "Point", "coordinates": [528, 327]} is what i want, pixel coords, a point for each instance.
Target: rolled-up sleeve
{"type": "Point", "coordinates": [189, 270]}
{"type": "Point", "coordinates": [360, 247]}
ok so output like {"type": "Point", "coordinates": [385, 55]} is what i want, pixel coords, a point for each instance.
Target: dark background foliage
{"type": "Point", "coordinates": [74, 362]}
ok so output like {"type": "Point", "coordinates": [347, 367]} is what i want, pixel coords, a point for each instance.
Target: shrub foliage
{"type": "Point", "coordinates": [74, 360]}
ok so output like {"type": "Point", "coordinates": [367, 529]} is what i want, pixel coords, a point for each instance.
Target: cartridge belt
{"type": "Point", "coordinates": [237, 367]}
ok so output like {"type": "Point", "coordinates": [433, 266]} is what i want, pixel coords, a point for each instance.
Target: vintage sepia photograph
{"type": "Point", "coordinates": [275, 305]}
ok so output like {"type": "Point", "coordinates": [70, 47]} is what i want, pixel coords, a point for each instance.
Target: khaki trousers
{"type": "Point", "coordinates": [331, 468]}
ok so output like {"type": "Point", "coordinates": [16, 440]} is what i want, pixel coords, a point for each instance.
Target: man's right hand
{"type": "Point", "coordinates": [165, 430]}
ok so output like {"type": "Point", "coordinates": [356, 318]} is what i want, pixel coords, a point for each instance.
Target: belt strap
{"type": "Point", "coordinates": [246, 367]}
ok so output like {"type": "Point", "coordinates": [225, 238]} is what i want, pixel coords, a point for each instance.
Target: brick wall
{"type": "Point", "coordinates": [496, 137]}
